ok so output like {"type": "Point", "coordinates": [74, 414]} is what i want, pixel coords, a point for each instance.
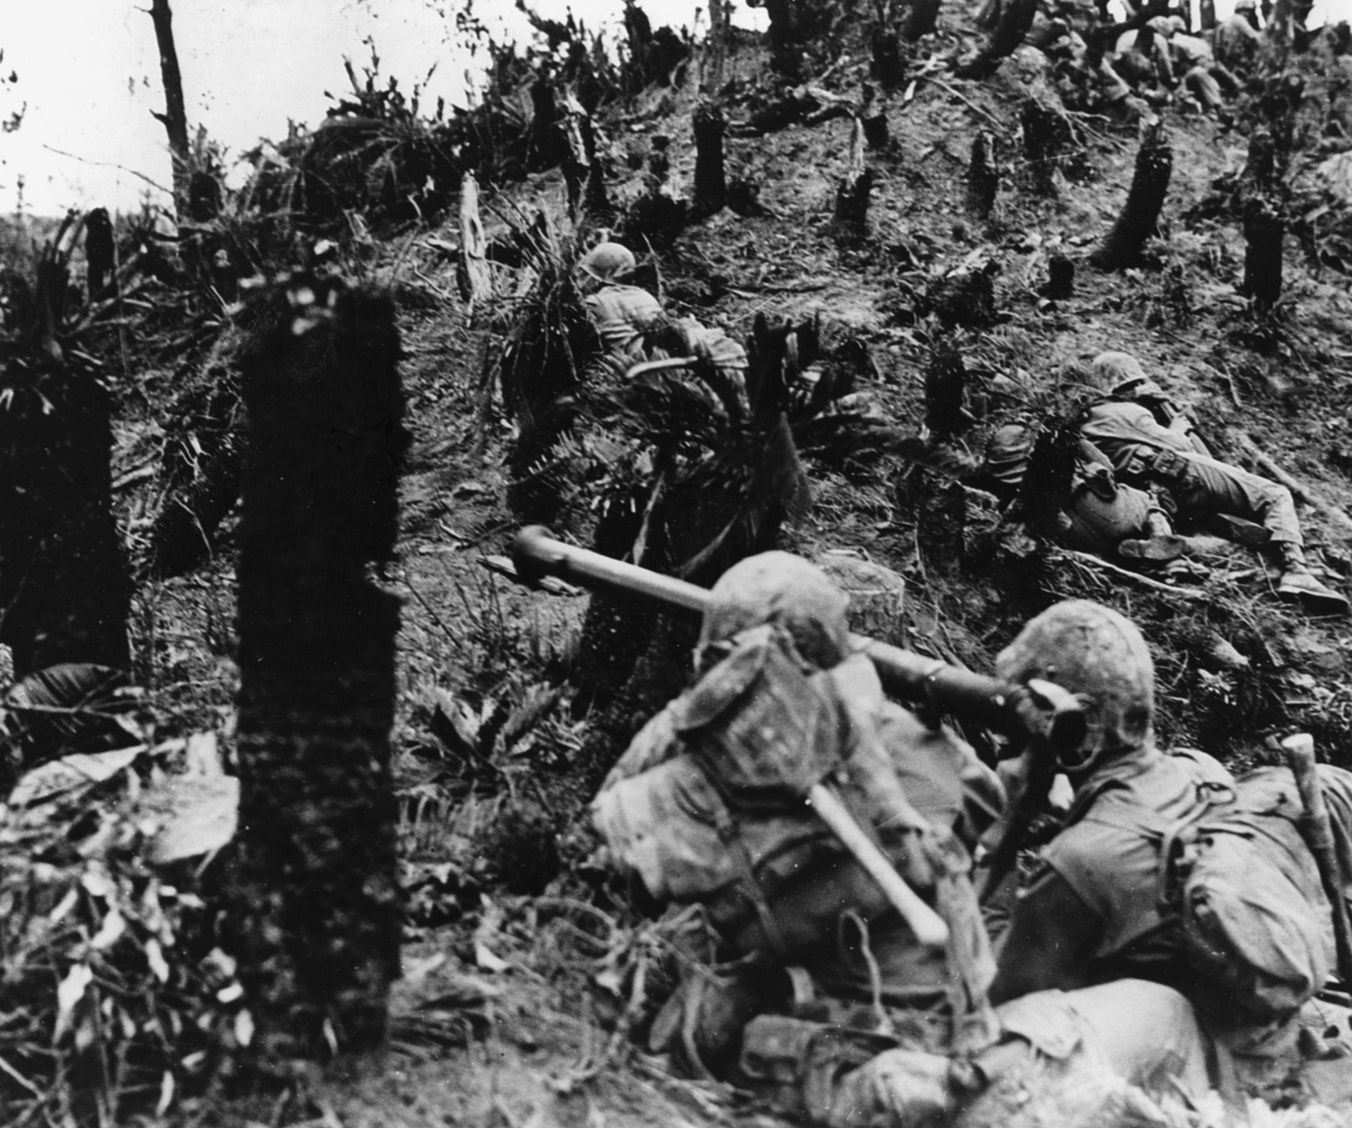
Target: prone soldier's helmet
{"type": "Point", "coordinates": [608, 262]}
{"type": "Point", "coordinates": [1117, 373]}
{"type": "Point", "coordinates": [1007, 453]}
{"type": "Point", "coordinates": [1093, 652]}
{"type": "Point", "coordinates": [781, 589]}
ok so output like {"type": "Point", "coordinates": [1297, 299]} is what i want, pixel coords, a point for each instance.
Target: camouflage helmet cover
{"type": "Point", "coordinates": [1007, 452]}
{"type": "Point", "coordinates": [1114, 371]}
{"type": "Point", "coordinates": [781, 589]}
{"type": "Point", "coordinates": [1092, 651]}
{"type": "Point", "coordinates": [608, 262]}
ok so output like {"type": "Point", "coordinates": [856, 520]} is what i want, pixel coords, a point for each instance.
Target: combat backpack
{"type": "Point", "coordinates": [1254, 922]}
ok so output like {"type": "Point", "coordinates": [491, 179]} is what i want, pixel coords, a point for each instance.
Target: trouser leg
{"type": "Point", "coordinates": [1209, 486]}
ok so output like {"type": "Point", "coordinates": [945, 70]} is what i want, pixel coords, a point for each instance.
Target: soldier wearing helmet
{"type": "Point", "coordinates": [1152, 443]}
{"type": "Point", "coordinates": [623, 314]}
{"type": "Point", "coordinates": [779, 691]}
{"type": "Point", "coordinates": [1097, 514]}
{"type": "Point", "coordinates": [1237, 38]}
{"type": "Point", "coordinates": [1090, 913]}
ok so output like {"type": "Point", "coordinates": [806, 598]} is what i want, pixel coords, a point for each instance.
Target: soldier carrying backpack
{"type": "Point", "coordinates": [1169, 869]}
{"type": "Point", "coordinates": [817, 994]}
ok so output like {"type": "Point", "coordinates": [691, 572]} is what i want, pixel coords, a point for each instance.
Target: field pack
{"type": "Point", "coordinates": [1255, 923]}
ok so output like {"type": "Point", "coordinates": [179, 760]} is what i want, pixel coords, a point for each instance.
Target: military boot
{"type": "Point", "coordinates": [1298, 584]}
{"type": "Point", "coordinates": [1158, 546]}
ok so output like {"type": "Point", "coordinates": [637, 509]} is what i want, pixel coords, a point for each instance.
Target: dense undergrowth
{"type": "Point", "coordinates": [525, 973]}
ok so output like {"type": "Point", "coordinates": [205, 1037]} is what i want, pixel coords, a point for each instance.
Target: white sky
{"type": "Point", "coordinates": [89, 73]}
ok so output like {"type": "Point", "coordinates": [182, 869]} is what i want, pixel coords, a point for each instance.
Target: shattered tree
{"type": "Point", "coordinates": [313, 893]}
{"type": "Point", "coordinates": [175, 116]}
{"type": "Point", "coordinates": [1140, 215]}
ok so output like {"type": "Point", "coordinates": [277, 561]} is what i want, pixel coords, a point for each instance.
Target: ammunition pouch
{"type": "Point", "coordinates": [798, 1064]}
{"type": "Point", "coordinates": [1156, 463]}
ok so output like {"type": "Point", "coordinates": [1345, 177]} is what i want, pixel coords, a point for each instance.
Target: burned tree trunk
{"type": "Point", "coordinates": [1044, 138]}
{"type": "Point", "coordinates": [175, 116]}
{"type": "Point", "coordinates": [711, 184]}
{"type": "Point", "coordinates": [1264, 216]}
{"type": "Point", "coordinates": [576, 165]}
{"type": "Point", "coordinates": [921, 18]}
{"type": "Point", "coordinates": [1060, 283]}
{"type": "Point", "coordinates": [63, 580]}
{"type": "Point", "coordinates": [888, 66]}
{"type": "Point", "coordinates": [983, 177]}
{"type": "Point", "coordinates": [852, 197]}
{"type": "Point", "coordinates": [313, 893]}
{"type": "Point", "coordinates": [1207, 15]}
{"type": "Point", "coordinates": [873, 118]}
{"type": "Point", "coordinates": [100, 252]}
{"type": "Point", "coordinates": [1140, 215]}
{"type": "Point", "coordinates": [547, 146]}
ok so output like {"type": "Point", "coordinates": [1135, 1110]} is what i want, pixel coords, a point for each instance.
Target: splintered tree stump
{"type": "Point", "coordinates": [873, 117]}
{"type": "Point", "coordinates": [64, 584]}
{"type": "Point", "coordinates": [1139, 219]}
{"type": "Point", "coordinates": [888, 66]}
{"type": "Point", "coordinates": [474, 277]}
{"type": "Point", "coordinates": [711, 184]}
{"type": "Point", "coordinates": [1207, 14]}
{"type": "Point", "coordinates": [852, 197]}
{"type": "Point", "coordinates": [945, 392]}
{"type": "Point", "coordinates": [1060, 283]}
{"type": "Point", "coordinates": [983, 177]}
{"type": "Point", "coordinates": [921, 19]}
{"type": "Point", "coordinates": [595, 199]}
{"type": "Point", "coordinates": [1264, 233]}
{"type": "Point", "coordinates": [313, 893]}
{"type": "Point", "coordinates": [964, 298]}
{"type": "Point", "coordinates": [547, 146]}
{"type": "Point", "coordinates": [1045, 136]}
{"type": "Point", "coordinates": [100, 252]}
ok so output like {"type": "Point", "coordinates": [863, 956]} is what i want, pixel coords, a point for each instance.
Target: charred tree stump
{"type": "Point", "coordinates": [1060, 283]}
{"type": "Point", "coordinates": [921, 19]}
{"type": "Point", "coordinates": [313, 893]}
{"type": "Point", "coordinates": [983, 177]}
{"type": "Point", "coordinates": [852, 197]}
{"type": "Point", "coordinates": [966, 297]}
{"type": "Point", "coordinates": [100, 252]}
{"type": "Point", "coordinates": [888, 67]}
{"type": "Point", "coordinates": [1207, 14]}
{"type": "Point", "coordinates": [595, 199]}
{"type": "Point", "coordinates": [711, 185]}
{"type": "Point", "coordinates": [873, 118]}
{"type": "Point", "coordinates": [547, 145]}
{"type": "Point", "coordinates": [474, 277]}
{"type": "Point", "coordinates": [63, 580]}
{"type": "Point", "coordinates": [945, 392]}
{"type": "Point", "coordinates": [1140, 215]}
{"type": "Point", "coordinates": [1264, 219]}
{"type": "Point", "coordinates": [1044, 137]}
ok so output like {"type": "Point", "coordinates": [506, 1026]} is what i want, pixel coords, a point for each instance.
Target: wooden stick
{"type": "Point", "coordinates": [1134, 577]}
{"type": "Point", "coordinates": [1301, 492]}
{"type": "Point", "coordinates": [928, 926]}
{"type": "Point", "coordinates": [1318, 834]}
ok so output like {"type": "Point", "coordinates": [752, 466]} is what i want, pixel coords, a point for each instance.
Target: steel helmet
{"type": "Point", "coordinates": [1007, 452]}
{"type": "Point", "coordinates": [1116, 372]}
{"type": "Point", "coordinates": [608, 262]}
{"type": "Point", "coordinates": [1093, 652]}
{"type": "Point", "coordinates": [787, 591]}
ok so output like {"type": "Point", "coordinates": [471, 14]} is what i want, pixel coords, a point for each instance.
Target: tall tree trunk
{"type": "Point", "coordinates": [1140, 215]}
{"type": "Point", "coordinates": [983, 176]}
{"type": "Point", "coordinates": [711, 184]}
{"type": "Point", "coordinates": [314, 894]}
{"type": "Point", "coordinates": [175, 116]}
{"type": "Point", "coordinates": [63, 578]}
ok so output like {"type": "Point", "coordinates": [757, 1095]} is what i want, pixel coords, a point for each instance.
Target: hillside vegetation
{"type": "Point", "coordinates": [525, 974]}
